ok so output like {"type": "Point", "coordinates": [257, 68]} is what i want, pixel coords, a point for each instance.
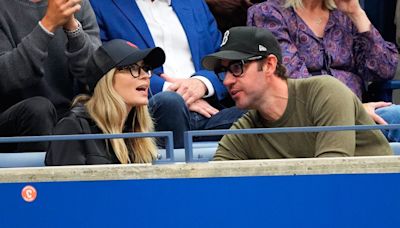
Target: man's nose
{"type": "Point", "coordinates": [229, 79]}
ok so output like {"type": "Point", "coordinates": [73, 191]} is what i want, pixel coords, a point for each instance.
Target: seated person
{"type": "Point", "coordinates": [230, 13]}
{"type": "Point", "coordinates": [256, 80]}
{"type": "Point", "coordinates": [44, 47]}
{"type": "Point", "coordinates": [184, 96]}
{"type": "Point", "coordinates": [30, 117]}
{"type": "Point", "coordinates": [334, 38]}
{"type": "Point", "coordinates": [118, 75]}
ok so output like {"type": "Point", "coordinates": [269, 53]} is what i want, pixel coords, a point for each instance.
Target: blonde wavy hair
{"type": "Point", "coordinates": [329, 4]}
{"type": "Point", "coordinates": [107, 108]}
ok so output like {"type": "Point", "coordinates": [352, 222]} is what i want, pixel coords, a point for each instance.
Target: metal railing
{"type": "Point", "coordinates": [169, 143]}
{"type": "Point", "coordinates": [188, 136]}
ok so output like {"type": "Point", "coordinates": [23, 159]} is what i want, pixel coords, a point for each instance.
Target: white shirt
{"type": "Point", "coordinates": [167, 32]}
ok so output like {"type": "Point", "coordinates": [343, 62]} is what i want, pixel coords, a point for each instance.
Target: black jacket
{"type": "Point", "coordinates": [82, 152]}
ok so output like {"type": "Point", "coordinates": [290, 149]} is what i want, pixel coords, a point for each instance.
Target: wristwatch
{"type": "Point", "coordinates": [75, 32]}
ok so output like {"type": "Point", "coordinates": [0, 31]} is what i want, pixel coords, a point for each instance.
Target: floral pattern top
{"type": "Point", "coordinates": [354, 58]}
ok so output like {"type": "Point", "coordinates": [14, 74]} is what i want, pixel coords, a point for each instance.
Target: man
{"type": "Point", "coordinates": [184, 96]}
{"type": "Point", "coordinates": [255, 78]}
{"type": "Point", "coordinates": [44, 47]}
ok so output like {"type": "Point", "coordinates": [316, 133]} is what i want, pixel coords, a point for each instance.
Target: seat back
{"type": "Point", "coordinates": [26, 159]}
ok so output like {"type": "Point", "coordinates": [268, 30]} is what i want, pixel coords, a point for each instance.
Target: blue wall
{"type": "Point", "coordinates": [355, 200]}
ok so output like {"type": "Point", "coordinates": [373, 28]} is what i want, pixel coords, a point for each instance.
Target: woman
{"type": "Point", "coordinates": [333, 37]}
{"type": "Point", "coordinates": [118, 77]}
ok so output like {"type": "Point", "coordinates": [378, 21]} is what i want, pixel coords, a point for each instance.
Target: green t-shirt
{"type": "Point", "coordinates": [315, 101]}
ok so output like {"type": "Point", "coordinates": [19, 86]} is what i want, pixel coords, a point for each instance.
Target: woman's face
{"type": "Point", "coordinates": [132, 84]}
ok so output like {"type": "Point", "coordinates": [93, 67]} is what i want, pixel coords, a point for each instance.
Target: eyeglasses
{"type": "Point", "coordinates": [135, 69]}
{"type": "Point", "coordinates": [236, 67]}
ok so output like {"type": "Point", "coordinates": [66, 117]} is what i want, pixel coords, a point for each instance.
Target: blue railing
{"type": "Point", "coordinates": [169, 144]}
{"type": "Point", "coordinates": [188, 136]}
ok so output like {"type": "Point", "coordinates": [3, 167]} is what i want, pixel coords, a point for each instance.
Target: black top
{"type": "Point", "coordinates": [82, 152]}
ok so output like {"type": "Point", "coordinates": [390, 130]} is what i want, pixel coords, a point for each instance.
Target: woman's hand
{"type": "Point", "coordinates": [352, 8]}
{"type": "Point", "coordinates": [349, 7]}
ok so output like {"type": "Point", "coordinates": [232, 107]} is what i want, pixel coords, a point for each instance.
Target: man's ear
{"type": "Point", "coordinates": [270, 64]}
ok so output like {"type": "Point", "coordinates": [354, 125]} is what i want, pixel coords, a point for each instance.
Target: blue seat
{"type": "Point", "coordinates": [395, 147]}
{"type": "Point", "coordinates": [27, 159]}
{"type": "Point", "coordinates": [381, 91]}
{"type": "Point", "coordinates": [201, 150]}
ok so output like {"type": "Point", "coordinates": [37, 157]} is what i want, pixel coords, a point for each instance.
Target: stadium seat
{"type": "Point", "coordinates": [395, 147]}
{"type": "Point", "coordinates": [201, 150]}
{"type": "Point", "coordinates": [27, 159]}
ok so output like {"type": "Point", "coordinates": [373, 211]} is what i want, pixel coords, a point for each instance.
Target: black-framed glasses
{"type": "Point", "coordinates": [136, 69]}
{"type": "Point", "coordinates": [236, 67]}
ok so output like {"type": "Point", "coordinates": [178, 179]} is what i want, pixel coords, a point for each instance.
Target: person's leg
{"type": "Point", "coordinates": [170, 113]}
{"type": "Point", "coordinates": [391, 115]}
{"type": "Point", "coordinates": [30, 117]}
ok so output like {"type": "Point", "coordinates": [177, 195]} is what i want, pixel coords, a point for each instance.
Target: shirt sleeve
{"type": "Point", "coordinates": [333, 104]}
{"type": "Point", "coordinates": [269, 15]}
{"type": "Point", "coordinates": [232, 146]}
{"type": "Point", "coordinates": [28, 57]}
{"type": "Point", "coordinates": [375, 58]}
{"type": "Point", "coordinates": [80, 47]}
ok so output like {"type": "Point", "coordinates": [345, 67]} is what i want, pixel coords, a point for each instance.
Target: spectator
{"type": "Point", "coordinates": [230, 13]}
{"type": "Point", "coordinates": [256, 79]}
{"type": "Point", "coordinates": [184, 95]}
{"type": "Point", "coordinates": [119, 77]}
{"type": "Point", "coordinates": [44, 46]}
{"type": "Point", "coordinates": [335, 38]}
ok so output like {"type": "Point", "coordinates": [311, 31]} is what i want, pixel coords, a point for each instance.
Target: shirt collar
{"type": "Point", "coordinates": [167, 1]}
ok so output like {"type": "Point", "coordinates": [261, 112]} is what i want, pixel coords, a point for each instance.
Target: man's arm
{"type": "Point", "coordinates": [333, 104]}
{"type": "Point", "coordinates": [82, 42]}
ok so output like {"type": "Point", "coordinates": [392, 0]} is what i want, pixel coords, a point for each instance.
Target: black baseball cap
{"type": "Point", "coordinates": [244, 43]}
{"type": "Point", "coordinates": [119, 53]}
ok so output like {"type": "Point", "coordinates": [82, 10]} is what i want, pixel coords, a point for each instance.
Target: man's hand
{"type": "Point", "coordinates": [61, 13]}
{"type": "Point", "coordinates": [203, 107]}
{"type": "Point", "coordinates": [370, 108]}
{"type": "Point", "coordinates": [190, 89]}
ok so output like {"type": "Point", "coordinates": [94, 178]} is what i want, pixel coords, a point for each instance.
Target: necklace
{"type": "Point", "coordinates": [318, 21]}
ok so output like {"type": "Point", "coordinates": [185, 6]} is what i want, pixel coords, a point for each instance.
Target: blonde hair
{"type": "Point", "coordinates": [329, 4]}
{"type": "Point", "coordinates": [107, 108]}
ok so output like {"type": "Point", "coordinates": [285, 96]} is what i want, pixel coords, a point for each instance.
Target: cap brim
{"type": "Point", "coordinates": [153, 57]}
{"type": "Point", "coordinates": [211, 62]}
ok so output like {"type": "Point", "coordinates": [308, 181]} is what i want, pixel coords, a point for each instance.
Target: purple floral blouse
{"type": "Point", "coordinates": [354, 58]}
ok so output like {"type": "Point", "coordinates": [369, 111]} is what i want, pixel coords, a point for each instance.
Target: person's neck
{"type": "Point", "coordinates": [275, 100]}
{"type": "Point", "coordinates": [312, 5]}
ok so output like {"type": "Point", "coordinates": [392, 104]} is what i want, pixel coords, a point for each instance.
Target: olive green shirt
{"type": "Point", "coordinates": [315, 101]}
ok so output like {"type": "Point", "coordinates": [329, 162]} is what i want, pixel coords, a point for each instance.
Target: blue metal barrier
{"type": "Point", "coordinates": [169, 145]}
{"type": "Point", "coordinates": [188, 136]}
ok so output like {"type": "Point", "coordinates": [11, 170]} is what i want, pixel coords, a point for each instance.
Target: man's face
{"type": "Point", "coordinates": [245, 82]}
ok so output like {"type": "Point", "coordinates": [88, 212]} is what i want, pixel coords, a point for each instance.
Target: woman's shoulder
{"type": "Point", "coordinates": [272, 9]}
{"type": "Point", "coordinates": [270, 5]}
{"type": "Point", "coordinates": [77, 121]}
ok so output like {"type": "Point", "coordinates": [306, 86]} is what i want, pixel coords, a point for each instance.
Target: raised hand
{"type": "Point", "coordinates": [61, 13]}
{"type": "Point", "coordinates": [353, 9]}
{"type": "Point", "coordinates": [348, 6]}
